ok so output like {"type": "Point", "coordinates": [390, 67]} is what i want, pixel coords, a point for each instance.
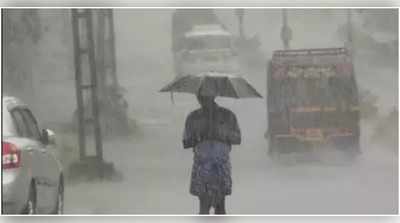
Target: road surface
{"type": "Point", "coordinates": [156, 173]}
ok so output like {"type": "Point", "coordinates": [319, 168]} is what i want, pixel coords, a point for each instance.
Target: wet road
{"type": "Point", "coordinates": [156, 173]}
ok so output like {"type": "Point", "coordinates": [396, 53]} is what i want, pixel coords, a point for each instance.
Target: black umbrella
{"type": "Point", "coordinates": [213, 84]}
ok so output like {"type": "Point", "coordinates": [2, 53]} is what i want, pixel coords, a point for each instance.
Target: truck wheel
{"type": "Point", "coordinates": [354, 149]}
{"type": "Point", "coordinates": [273, 151]}
{"type": "Point", "coordinates": [351, 149]}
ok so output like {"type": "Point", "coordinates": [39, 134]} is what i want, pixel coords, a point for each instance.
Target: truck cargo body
{"type": "Point", "coordinates": [312, 101]}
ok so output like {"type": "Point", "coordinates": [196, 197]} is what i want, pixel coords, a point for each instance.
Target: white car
{"type": "Point", "coordinates": [33, 180]}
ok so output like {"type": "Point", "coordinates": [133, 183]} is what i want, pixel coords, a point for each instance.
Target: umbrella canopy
{"type": "Point", "coordinates": [213, 84]}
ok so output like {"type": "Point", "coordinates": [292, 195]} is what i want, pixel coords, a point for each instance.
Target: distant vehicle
{"type": "Point", "coordinates": [183, 20]}
{"type": "Point", "coordinates": [201, 43]}
{"type": "Point", "coordinates": [312, 101]}
{"type": "Point", "coordinates": [33, 180]}
{"type": "Point", "coordinates": [207, 48]}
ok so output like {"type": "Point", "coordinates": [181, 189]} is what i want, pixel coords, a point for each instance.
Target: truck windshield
{"type": "Point", "coordinates": [208, 42]}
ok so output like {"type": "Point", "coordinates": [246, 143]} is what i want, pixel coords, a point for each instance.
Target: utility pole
{"type": "Point", "coordinates": [105, 52]}
{"type": "Point", "coordinates": [100, 53]}
{"type": "Point", "coordinates": [86, 86]}
{"type": "Point", "coordinates": [286, 32]}
{"type": "Point", "coordinates": [240, 14]}
{"type": "Point", "coordinates": [97, 87]}
{"type": "Point", "coordinates": [113, 105]}
{"type": "Point", "coordinates": [105, 49]}
{"type": "Point", "coordinates": [349, 43]}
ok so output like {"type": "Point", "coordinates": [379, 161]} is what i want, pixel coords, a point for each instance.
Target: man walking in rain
{"type": "Point", "coordinates": [210, 131]}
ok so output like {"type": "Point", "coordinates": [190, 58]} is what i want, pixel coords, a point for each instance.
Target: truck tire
{"type": "Point", "coordinates": [351, 148]}
{"type": "Point", "coordinates": [354, 148]}
{"type": "Point", "coordinates": [273, 150]}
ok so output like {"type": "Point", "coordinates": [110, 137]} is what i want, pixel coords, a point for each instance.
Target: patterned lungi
{"type": "Point", "coordinates": [211, 171]}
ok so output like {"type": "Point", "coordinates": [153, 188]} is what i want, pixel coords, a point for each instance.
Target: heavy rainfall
{"type": "Point", "coordinates": [137, 164]}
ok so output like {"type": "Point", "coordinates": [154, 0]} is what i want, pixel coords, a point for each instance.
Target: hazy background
{"type": "Point", "coordinates": [155, 168]}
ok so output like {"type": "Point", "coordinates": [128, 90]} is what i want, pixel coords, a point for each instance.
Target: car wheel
{"type": "Point", "coordinates": [30, 207]}
{"type": "Point", "coordinates": [59, 208]}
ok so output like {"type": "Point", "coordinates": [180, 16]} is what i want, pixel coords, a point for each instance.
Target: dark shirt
{"type": "Point", "coordinates": [218, 124]}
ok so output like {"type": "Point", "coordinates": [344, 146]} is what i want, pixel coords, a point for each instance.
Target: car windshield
{"type": "Point", "coordinates": [208, 42]}
{"type": "Point", "coordinates": [8, 128]}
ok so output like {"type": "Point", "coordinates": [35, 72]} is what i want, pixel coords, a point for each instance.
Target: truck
{"type": "Point", "coordinates": [312, 102]}
{"type": "Point", "coordinates": [201, 43]}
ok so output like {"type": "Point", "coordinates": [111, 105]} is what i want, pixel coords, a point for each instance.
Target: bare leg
{"type": "Point", "coordinates": [220, 207]}
{"type": "Point", "coordinates": [204, 205]}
